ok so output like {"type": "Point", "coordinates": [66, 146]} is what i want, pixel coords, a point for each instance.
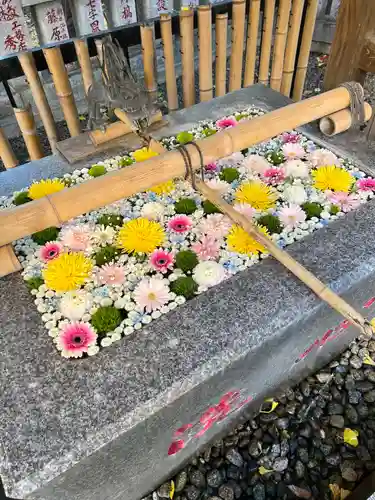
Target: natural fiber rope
{"type": "Point", "coordinates": [189, 172]}
{"type": "Point", "coordinates": [357, 102]}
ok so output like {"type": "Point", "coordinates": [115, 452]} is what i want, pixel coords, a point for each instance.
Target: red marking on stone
{"type": "Point", "coordinates": [176, 446]}
{"type": "Point", "coordinates": [369, 303]}
{"type": "Point", "coordinates": [182, 429]}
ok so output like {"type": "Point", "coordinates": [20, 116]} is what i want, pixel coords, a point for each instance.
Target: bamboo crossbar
{"type": "Point", "coordinates": [62, 206]}
{"type": "Point", "coordinates": [252, 42]}
{"type": "Point", "coordinates": [205, 52]}
{"type": "Point", "coordinates": [168, 49]}
{"type": "Point", "coordinates": [238, 37]}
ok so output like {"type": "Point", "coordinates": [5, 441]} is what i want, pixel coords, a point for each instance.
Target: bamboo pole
{"type": "Point", "coordinates": [62, 206]}
{"type": "Point", "coordinates": [252, 42]}
{"type": "Point", "coordinates": [341, 121]}
{"type": "Point", "coordinates": [187, 56]}
{"type": "Point", "coordinates": [26, 122]}
{"type": "Point", "coordinates": [280, 43]}
{"type": "Point", "coordinates": [148, 56]}
{"type": "Point", "coordinates": [238, 37]}
{"type": "Point", "coordinates": [27, 62]}
{"type": "Point", "coordinates": [9, 261]}
{"type": "Point", "coordinates": [265, 53]}
{"type": "Point", "coordinates": [168, 49]}
{"type": "Point", "coordinates": [291, 46]}
{"type": "Point", "coordinates": [205, 52]}
{"type": "Point", "coordinates": [221, 54]}
{"type": "Point", "coordinates": [63, 88]}
{"type": "Point", "coordinates": [84, 60]}
{"type": "Point", "coordinates": [6, 152]}
{"type": "Point", "coordinates": [303, 274]}
{"type": "Point", "coordinates": [304, 51]}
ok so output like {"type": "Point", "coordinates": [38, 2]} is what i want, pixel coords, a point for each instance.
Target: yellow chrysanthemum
{"type": "Point", "coordinates": [257, 194]}
{"type": "Point", "coordinates": [333, 178]}
{"type": "Point", "coordinates": [164, 188]}
{"type": "Point", "coordinates": [143, 154]}
{"type": "Point", "coordinates": [43, 188]}
{"type": "Point", "coordinates": [140, 235]}
{"type": "Point", "coordinates": [67, 272]}
{"type": "Point", "coordinates": [240, 241]}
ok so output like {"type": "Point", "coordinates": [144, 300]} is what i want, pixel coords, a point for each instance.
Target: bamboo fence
{"type": "Point", "coordinates": [26, 123]}
{"type": "Point", "coordinates": [252, 42]}
{"type": "Point", "coordinates": [238, 36]}
{"type": "Point", "coordinates": [265, 53]}
{"type": "Point", "coordinates": [170, 73]}
{"type": "Point", "coordinates": [187, 56]}
{"type": "Point", "coordinates": [280, 44]}
{"type": "Point", "coordinates": [148, 56]}
{"type": "Point", "coordinates": [6, 152]}
{"type": "Point", "coordinates": [205, 52]}
{"type": "Point", "coordinates": [221, 54]}
{"type": "Point", "coordinates": [84, 60]}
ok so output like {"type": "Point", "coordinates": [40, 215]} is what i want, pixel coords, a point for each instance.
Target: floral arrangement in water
{"type": "Point", "coordinates": [107, 273]}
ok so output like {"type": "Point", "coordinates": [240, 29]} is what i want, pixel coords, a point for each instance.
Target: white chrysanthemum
{"type": "Point", "coordinates": [208, 273]}
{"type": "Point", "coordinates": [73, 305]}
{"type": "Point", "coordinates": [296, 168]}
{"type": "Point", "coordinates": [153, 211]}
{"type": "Point", "coordinates": [256, 164]}
{"type": "Point", "coordinates": [103, 236]}
{"type": "Point", "coordinates": [295, 195]}
{"type": "Point", "coordinates": [323, 158]}
{"type": "Point", "coordinates": [221, 187]}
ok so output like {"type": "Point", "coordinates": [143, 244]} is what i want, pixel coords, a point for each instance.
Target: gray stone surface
{"type": "Point", "coordinates": [100, 428]}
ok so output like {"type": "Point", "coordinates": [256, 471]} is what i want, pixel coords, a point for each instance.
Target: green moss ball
{"type": "Point", "coordinates": [97, 170]}
{"type": "Point", "coordinates": [185, 206]}
{"type": "Point", "coordinates": [185, 286]}
{"type": "Point", "coordinates": [106, 319]}
{"type": "Point", "coordinates": [229, 174]}
{"type": "Point", "coordinates": [312, 209]}
{"type": "Point", "coordinates": [184, 137]}
{"type": "Point", "coordinates": [22, 198]}
{"type": "Point", "coordinates": [334, 210]}
{"type": "Point", "coordinates": [271, 222]}
{"type": "Point", "coordinates": [275, 157]}
{"type": "Point", "coordinates": [186, 260]}
{"type": "Point", "coordinates": [106, 255]}
{"type": "Point", "coordinates": [207, 132]}
{"type": "Point", "coordinates": [43, 237]}
{"type": "Point", "coordinates": [113, 220]}
{"type": "Point", "coordinates": [34, 283]}
{"type": "Point", "coordinates": [210, 208]}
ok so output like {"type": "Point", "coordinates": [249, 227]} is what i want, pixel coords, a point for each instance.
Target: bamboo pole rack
{"type": "Point", "coordinates": [84, 60]}
{"type": "Point", "coordinates": [6, 152]}
{"type": "Point", "coordinates": [187, 56]}
{"type": "Point", "coordinates": [252, 42]}
{"type": "Point", "coordinates": [291, 46]}
{"type": "Point", "coordinates": [238, 37]}
{"type": "Point", "coordinates": [27, 63]}
{"type": "Point", "coordinates": [280, 43]}
{"type": "Point", "coordinates": [170, 73]}
{"type": "Point", "coordinates": [265, 53]}
{"type": "Point", "coordinates": [221, 54]}
{"type": "Point", "coordinates": [340, 121]}
{"type": "Point", "coordinates": [26, 122]}
{"type": "Point", "coordinates": [205, 52]}
{"type": "Point", "coordinates": [148, 56]}
{"type": "Point", "coordinates": [63, 88]}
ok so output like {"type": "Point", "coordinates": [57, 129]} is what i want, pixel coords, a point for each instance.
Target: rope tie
{"type": "Point", "coordinates": [189, 171]}
{"type": "Point", "coordinates": [357, 102]}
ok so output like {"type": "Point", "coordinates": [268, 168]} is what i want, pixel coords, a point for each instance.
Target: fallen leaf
{"type": "Point", "coordinates": [368, 361]}
{"type": "Point", "coordinates": [274, 405]}
{"type": "Point", "coordinates": [338, 493]}
{"type": "Point", "coordinates": [262, 470]}
{"type": "Point", "coordinates": [351, 437]}
{"type": "Point", "coordinates": [171, 491]}
{"type": "Point", "coordinates": [299, 492]}
{"type": "Point", "coordinates": [344, 494]}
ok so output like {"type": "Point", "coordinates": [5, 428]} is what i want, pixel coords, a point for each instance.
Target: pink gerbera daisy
{"type": "Point", "coordinates": [291, 216]}
{"type": "Point", "coordinates": [290, 137]}
{"type": "Point", "coordinates": [207, 248]}
{"type": "Point", "coordinates": [50, 250]}
{"type": "Point", "coordinates": [161, 260]}
{"type": "Point", "coordinates": [151, 294]}
{"type": "Point", "coordinates": [180, 224]}
{"type": "Point", "coordinates": [216, 225]}
{"type": "Point", "coordinates": [230, 121]}
{"type": "Point", "coordinates": [273, 175]}
{"type": "Point", "coordinates": [76, 238]}
{"type": "Point", "coordinates": [111, 274]}
{"type": "Point", "coordinates": [366, 184]}
{"type": "Point", "coordinates": [75, 339]}
{"type": "Point", "coordinates": [345, 201]}
{"type": "Point", "coordinates": [292, 151]}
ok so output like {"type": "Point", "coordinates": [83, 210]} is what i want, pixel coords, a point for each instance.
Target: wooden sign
{"type": "Point", "coordinates": [88, 16]}
{"type": "Point", "coordinates": [51, 22]}
{"type": "Point", "coordinates": [14, 35]}
{"type": "Point", "coordinates": [123, 12]}
{"type": "Point", "coordinates": [153, 8]}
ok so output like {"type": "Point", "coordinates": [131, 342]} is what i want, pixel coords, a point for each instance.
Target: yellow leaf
{"type": "Point", "coordinates": [344, 494]}
{"type": "Point", "coordinates": [262, 470]}
{"type": "Point", "coordinates": [368, 361]}
{"type": "Point", "coordinates": [82, 118]}
{"type": "Point", "coordinates": [335, 490]}
{"type": "Point", "coordinates": [171, 491]}
{"type": "Point", "coordinates": [274, 405]}
{"type": "Point", "coordinates": [351, 437]}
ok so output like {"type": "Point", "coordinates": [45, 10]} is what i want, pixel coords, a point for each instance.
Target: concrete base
{"type": "Point", "coordinates": [115, 426]}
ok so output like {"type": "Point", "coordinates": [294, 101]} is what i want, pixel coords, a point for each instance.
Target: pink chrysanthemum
{"type": "Point", "coordinates": [323, 158]}
{"type": "Point", "coordinates": [207, 248]}
{"type": "Point", "coordinates": [290, 137]}
{"type": "Point", "coordinates": [293, 151]}
{"type": "Point", "coordinates": [291, 216]}
{"type": "Point", "coordinates": [75, 339]}
{"type": "Point", "coordinates": [273, 176]}
{"type": "Point", "coordinates": [215, 225]}
{"type": "Point", "coordinates": [111, 274]}
{"type": "Point", "coordinates": [230, 121]}
{"type": "Point", "coordinates": [366, 184]}
{"type": "Point", "coordinates": [211, 167]}
{"type": "Point", "coordinates": [76, 238]}
{"type": "Point", "coordinates": [245, 209]}
{"type": "Point", "coordinates": [151, 294]}
{"type": "Point", "coordinates": [50, 251]}
{"type": "Point", "coordinates": [346, 201]}
{"type": "Point", "coordinates": [180, 224]}
{"type": "Point", "coordinates": [161, 260]}
{"type": "Point", "coordinates": [256, 164]}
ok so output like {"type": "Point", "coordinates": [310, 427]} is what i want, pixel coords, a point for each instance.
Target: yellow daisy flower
{"type": "Point", "coordinates": [257, 194]}
{"type": "Point", "coordinates": [67, 272]}
{"type": "Point", "coordinates": [140, 235]}
{"type": "Point", "coordinates": [143, 154]}
{"type": "Point", "coordinates": [43, 188]}
{"type": "Point", "coordinates": [164, 188]}
{"type": "Point", "coordinates": [240, 241]}
{"type": "Point", "coordinates": [333, 178]}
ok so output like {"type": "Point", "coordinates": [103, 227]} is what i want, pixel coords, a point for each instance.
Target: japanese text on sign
{"type": "Point", "coordinates": [13, 31]}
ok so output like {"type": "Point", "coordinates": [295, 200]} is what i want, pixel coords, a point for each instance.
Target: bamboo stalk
{"type": "Point", "coordinates": [304, 51]}
{"type": "Point", "coordinates": [62, 206]}
{"type": "Point", "coordinates": [9, 261]}
{"type": "Point", "coordinates": [187, 56]}
{"type": "Point", "coordinates": [26, 122]}
{"type": "Point", "coordinates": [341, 121]}
{"type": "Point", "coordinates": [170, 73]}
{"type": "Point", "coordinates": [291, 46]}
{"type": "Point", "coordinates": [238, 37]}
{"type": "Point", "coordinates": [27, 62]}
{"type": "Point", "coordinates": [280, 43]}
{"type": "Point", "coordinates": [252, 42]}
{"type": "Point", "coordinates": [265, 53]}
{"type": "Point", "coordinates": [6, 152]}
{"type": "Point", "coordinates": [221, 54]}
{"type": "Point", "coordinates": [148, 56]}
{"type": "Point", "coordinates": [303, 274]}
{"type": "Point", "coordinates": [84, 60]}
{"type": "Point", "coordinates": [63, 88]}
{"type": "Point", "coordinates": [205, 52]}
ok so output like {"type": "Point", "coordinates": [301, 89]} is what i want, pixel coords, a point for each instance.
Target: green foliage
{"type": "Point", "coordinates": [334, 210]}
{"type": "Point", "coordinates": [185, 286]}
{"type": "Point", "coordinates": [207, 132]}
{"type": "Point", "coordinates": [34, 283]}
{"type": "Point", "coordinates": [68, 182]}
{"type": "Point", "coordinates": [106, 254]}
{"type": "Point", "coordinates": [126, 161]}
{"type": "Point", "coordinates": [240, 116]}
{"type": "Point", "coordinates": [271, 222]}
{"type": "Point", "coordinates": [43, 237]}
{"type": "Point", "coordinates": [106, 319]}
{"type": "Point", "coordinates": [186, 260]}
{"type": "Point", "coordinates": [184, 137]}
{"type": "Point", "coordinates": [210, 208]}
{"type": "Point", "coordinates": [21, 198]}
{"type": "Point", "coordinates": [312, 209]}
{"type": "Point", "coordinates": [185, 206]}
{"type": "Point", "coordinates": [97, 170]}
{"type": "Point", "coordinates": [113, 220]}
{"type": "Point", "coordinates": [229, 174]}
{"type": "Point", "coordinates": [275, 157]}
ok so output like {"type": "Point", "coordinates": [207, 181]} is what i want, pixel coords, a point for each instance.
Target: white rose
{"type": "Point", "coordinates": [295, 195]}
{"type": "Point", "coordinates": [208, 273]}
{"type": "Point", "coordinates": [74, 305]}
